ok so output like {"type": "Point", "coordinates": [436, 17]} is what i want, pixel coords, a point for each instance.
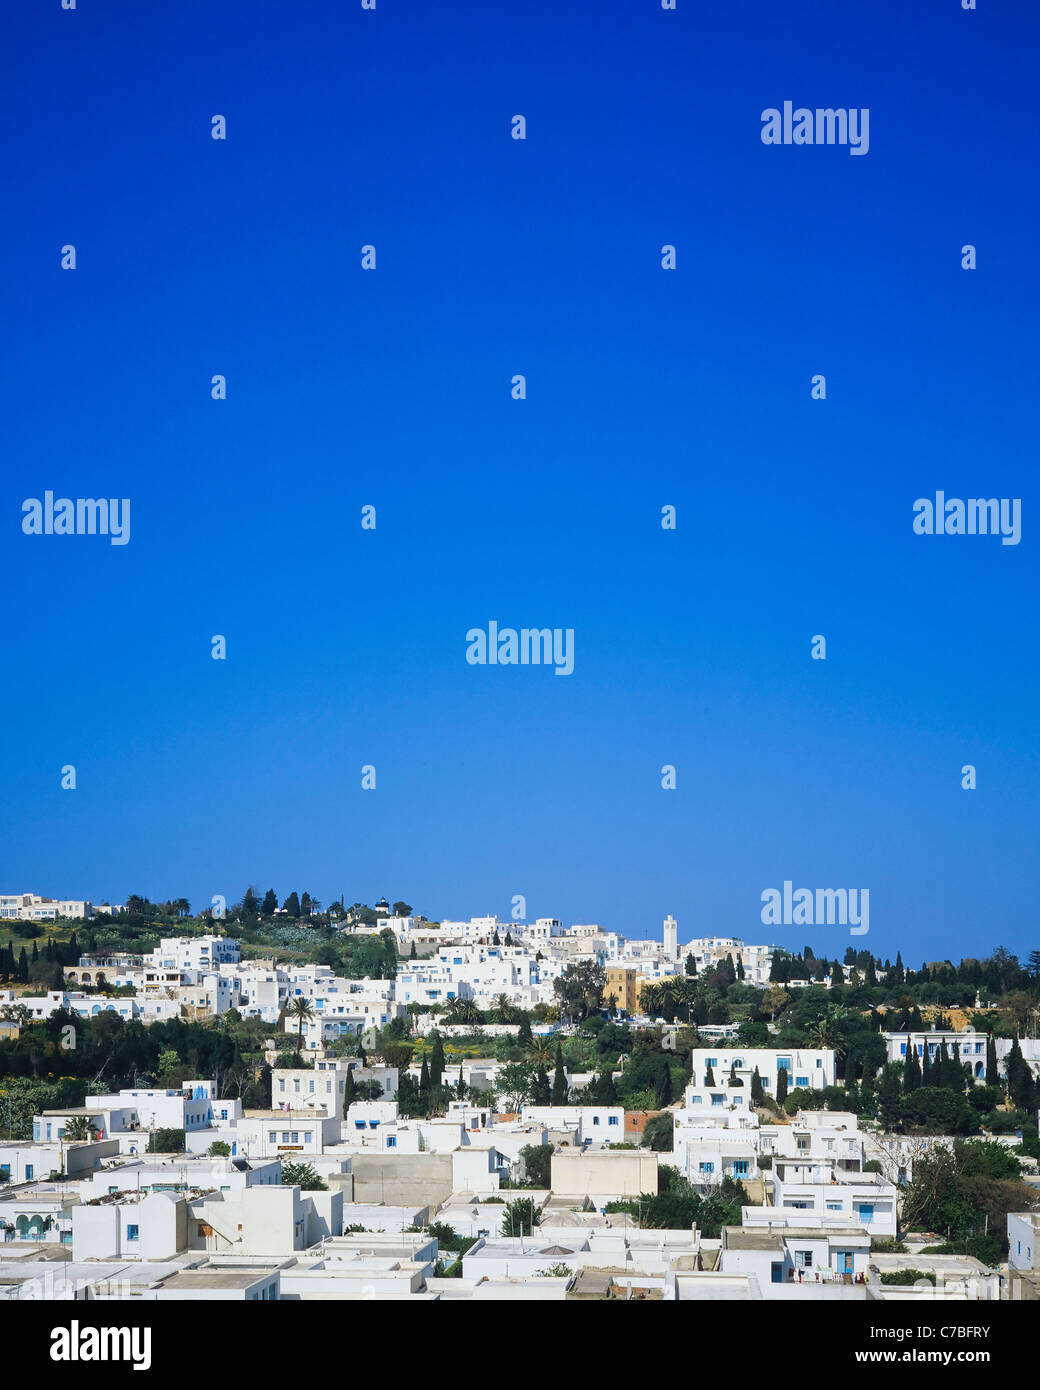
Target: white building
{"type": "Point", "coordinates": [31, 907]}
{"type": "Point", "coordinates": [847, 1198]}
{"type": "Point", "coordinates": [1023, 1229]}
{"type": "Point", "coordinates": [807, 1068]}
{"type": "Point", "coordinates": [598, 1123]}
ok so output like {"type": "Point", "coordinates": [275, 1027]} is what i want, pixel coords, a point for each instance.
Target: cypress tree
{"type": "Point", "coordinates": [35, 954]}
{"type": "Point", "coordinates": [889, 1100]}
{"type": "Point", "coordinates": [349, 1091]}
{"type": "Point", "coordinates": [940, 1066]}
{"type": "Point", "coordinates": [926, 1066]}
{"type": "Point", "coordinates": [992, 1069]}
{"type": "Point", "coordinates": [1020, 1083]}
{"type": "Point", "coordinates": [911, 1070]}
{"type": "Point", "coordinates": [437, 1060]}
{"type": "Point", "coordinates": [559, 1085]}
{"type": "Point", "coordinates": [541, 1092]}
{"type": "Point", "coordinates": [709, 1075]}
{"type": "Point", "coordinates": [23, 967]}
{"type": "Point", "coordinates": [606, 1092]}
{"type": "Point", "coordinates": [664, 1086]}
{"type": "Point", "coordinates": [781, 1086]}
{"type": "Point", "coordinates": [757, 1090]}
{"type": "Point", "coordinates": [461, 1087]}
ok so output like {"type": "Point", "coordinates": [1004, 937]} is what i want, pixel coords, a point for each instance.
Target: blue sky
{"type": "Point", "coordinates": [645, 387]}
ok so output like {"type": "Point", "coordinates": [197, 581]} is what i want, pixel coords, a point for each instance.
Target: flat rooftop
{"type": "Point", "coordinates": [314, 1114]}
{"type": "Point", "coordinates": [737, 1238]}
{"type": "Point", "coordinates": [200, 1279]}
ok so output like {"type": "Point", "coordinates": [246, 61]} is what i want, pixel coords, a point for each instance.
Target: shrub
{"type": "Point", "coordinates": [907, 1276]}
{"type": "Point", "coordinates": [166, 1141]}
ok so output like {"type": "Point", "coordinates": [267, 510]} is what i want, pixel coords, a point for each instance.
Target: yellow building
{"type": "Point", "coordinates": [624, 985]}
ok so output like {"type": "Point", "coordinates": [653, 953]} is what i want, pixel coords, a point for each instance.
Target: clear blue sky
{"type": "Point", "coordinates": [645, 388]}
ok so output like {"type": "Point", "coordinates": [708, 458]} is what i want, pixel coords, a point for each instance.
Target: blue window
{"type": "Point", "coordinates": [865, 1211]}
{"type": "Point", "coordinates": [612, 1120]}
{"type": "Point", "coordinates": [29, 1171]}
{"type": "Point", "coordinates": [132, 1232]}
{"type": "Point", "coordinates": [707, 1168]}
{"type": "Point", "coordinates": [359, 1124]}
{"type": "Point", "coordinates": [819, 1061]}
{"type": "Point", "coordinates": [902, 1049]}
{"type": "Point", "coordinates": [373, 1124]}
{"type": "Point", "coordinates": [801, 1081]}
{"type": "Point", "coordinates": [783, 1064]}
{"type": "Point", "coordinates": [391, 1141]}
{"type": "Point", "coordinates": [716, 1100]}
{"type": "Point", "coordinates": [740, 1167]}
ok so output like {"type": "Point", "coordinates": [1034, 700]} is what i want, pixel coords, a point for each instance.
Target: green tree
{"type": "Point", "coordinates": [219, 1149]}
{"type": "Point", "coordinates": [437, 1060]}
{"type": "Point", "coordinates": [1020, 1084]}
{"type": "Point", "coordinates": [269, 904]}
{"type": "Point", "coordinates": [167, 1141]}
{"type": "Point", "coordinates": [519, 1217]}
{"type": "Point", "coordinates": [560, 1089]}
{"type": "Point", "coordinates": [659, 1132]}
{"type": "Point", "coordinates": [302, 1010]}
{"type": "Point", "coordinates": [538, 1164]}
{"type": "Point", "coordinates": [781, 1086]}
{"type": "Point", "coordinates": [541, 1092]}
{"type": "Point", "coordinates": [303, 1176]}
{"type": "Point", "coordinates": [580, 989]}
{"type": "Point", "coordinates": [911, 1069]}
{"type": "Point", "coordinates": [80, 1128]}
{"type": "Point", "coordinates": [663, 1088]}
{"type": "Point", "coordinates": [349, 1091]}
{"type": "Point", "coordinates": [992, 1069]}
{"type": "Point", "coordinates": [757, 1089]}
{"type": "Point", "coordinates": [890, 1100]}
{"type": "Point", "coordinates": [514, 1083]}
{"type": "Point", "coordinates": [292, 904]}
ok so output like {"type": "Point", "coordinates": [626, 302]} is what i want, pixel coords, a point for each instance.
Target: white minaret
{"type": "Point", "coordinates": [671, 938]}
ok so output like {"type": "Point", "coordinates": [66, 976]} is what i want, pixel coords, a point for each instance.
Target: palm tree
{"type": "Point", "coordinates": [540, 1054]}
{"type": "Point", "coordinates": [80, 1128]}
{"type": "Point", "coordinates": [504, 1007]}
{"type": "Point", "coordinates": [301, 1009]}
{"type": "Point", "coordinates": [828, 1031]}
{"type": "Point", "coordinates": [463, 1011]}
{"type": "Point", "coordinates": [650, 999]}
